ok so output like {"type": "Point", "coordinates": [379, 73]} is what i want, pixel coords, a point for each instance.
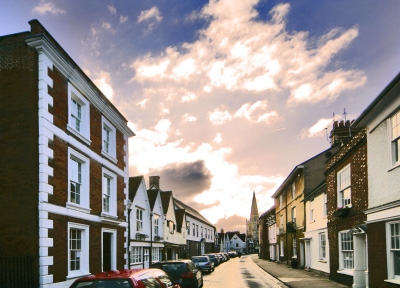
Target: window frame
{"type": "Point", "coordinates": [282, 250]}
{"type": "Point", "coordinates": [322, 246]}
{"type": "Point", "coordinates": [84, 254]}
{"type": "Point", "coordinates": [139, 219]}
{"type": "Point", "coordinates": [293, 190]}
{"type": "Point", "coordinates": [156, 224]}
{"type": "Point", "coordinates": [342, 265]}
{"type": "Point", "coordinates": [188, 228]}
{"type": "Point", "coordinates": [112, 151]}
{"type": "Point", "coordinates": [341, 190]}
{"type": "Point", "coordinates": [395, 139]}
{"type": "Point", "coordinates": [136, 255]}
{"type": "Point", "coordinates": [312, 214]}
{"type": "Point", "coordinates": [389, 251]}
{"type": "Point", "coordinates": [294, 216]}
{"type": "Point", "coordinates": [281, 201]}
{"type": "Point", "coordinates": [84, 205]}
{"type": "Point", "coordinates": [84, 134]}
{"type": "Point", "coordinates": [294, 247]}
{"type": "Point", "coordinates": [113, 193]}
{"type": "Point", "coordinates": [325, 205]}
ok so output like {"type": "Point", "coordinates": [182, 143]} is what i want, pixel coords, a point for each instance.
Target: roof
{"type": "Point", "coordinates": [180, 216]}
{"type": "Point", "coordinates": [192, 212]}
{"type": "Point", "coordinates": [134, 183]}
{"type": "Point", "coordinates": [165, 196]}
{"type": "Point", "coordinates": [152, 194]}
{"type": "Point", "coordinates": [269, 211]}
{"type": "Point", "coordinates": [241, 236]}
{"type": "Point", "coordinates": [321, 188]}
{"type": "Point", "coordinates": [254, 208]}
{"type": "Point", "coordinates": [125, 273]}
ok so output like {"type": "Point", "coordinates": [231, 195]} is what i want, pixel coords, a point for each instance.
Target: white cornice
{"type": "Point", "coordinates": [43, 45]}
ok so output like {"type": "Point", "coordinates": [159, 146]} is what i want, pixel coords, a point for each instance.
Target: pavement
{"type": "Point", "coordinates": [295, 278]}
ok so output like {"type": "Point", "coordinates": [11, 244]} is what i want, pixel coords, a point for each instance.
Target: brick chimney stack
{"type": "Point", "coordinates": [154, 181]}
{"type": "Point", "coordinates": [342, 132]}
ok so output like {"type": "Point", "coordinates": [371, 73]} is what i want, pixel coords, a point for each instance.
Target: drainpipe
{"type": "Point", "coordinates": [286, 234]}
{"type": "Point", "coordinates": [129, 233]}
{"type": "Point", "coordinates": [151, 239]}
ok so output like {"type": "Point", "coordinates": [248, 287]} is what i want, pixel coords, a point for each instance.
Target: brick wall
{"type": "Point", "coordinates": [19, 167]}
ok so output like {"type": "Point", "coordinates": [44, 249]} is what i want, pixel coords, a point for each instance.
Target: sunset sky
{"type": "Point", "coordinates": [225, 97]}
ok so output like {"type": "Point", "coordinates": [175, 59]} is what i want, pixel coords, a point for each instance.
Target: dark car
{"type": "Point", "coordinates": [214, 258]}
{"type": "Point", "coordinates": [183, 272]}
{"type": "Point", "coordinates": [204, 263]}
{"type": "Point", "coordinates": [232, 254]}
{"type": "Point", "coordinates": [220, 257]}
{"type": "Point", "coordinates": [128, 278]}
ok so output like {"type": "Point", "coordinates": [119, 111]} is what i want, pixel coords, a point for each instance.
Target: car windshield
{"type": "Point", "coordinates": [110, 283]}
{"type": "Point", "coordinates": [211, 256]}
{"type": "Point", "coordinates": [200, 259]}
{"type": "Point", "coordinates": [171, 267]}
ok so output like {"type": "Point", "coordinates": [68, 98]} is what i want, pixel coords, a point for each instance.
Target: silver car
{"type": "Point", "coordinates": [204, 263]}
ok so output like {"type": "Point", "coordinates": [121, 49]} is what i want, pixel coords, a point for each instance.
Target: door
{"type": "Point", "coordinates": [146, 255]}
{"type": "Point", "coordinates": [107, 251]}
{"type": "Point", "coordinates": [308, 253]}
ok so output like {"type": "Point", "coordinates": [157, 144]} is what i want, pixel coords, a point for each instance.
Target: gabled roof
{"type": "Point", "coordinates": [321, 188]}
{"type": "Point", "coordinates": [165, 197]}
{"type": "Point", "coordinates": [134, 183]}
{"type": "Point", "coordinates": [152, 194]}
{"type": "Point", "coordinates": [189, 210]}
{"type": "Point", "coordinates": [241, 236]}
{"type": "Point", "coordinates": [180, 216]}
{"type": "Point", "coordinates": [269, 211]}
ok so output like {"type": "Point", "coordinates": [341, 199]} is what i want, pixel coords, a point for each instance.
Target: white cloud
{"type": "Point", "coordinates": [152, 13]}
{"type": "Point", "coordinates": [318, 129]}
{"type": "Point", "coordinates": [142, 104]}
{"type": "Point", "coordinates": [106, 25]}
{"type": "Point", "coordinates": [47, 7]}
{"type": "Point", "coordinates": [112, 9]}
{"type": "Point", "coordinates": [188, 97]}
{"type": "Point", "coordinates": [103, 83]}
{"type": "Point", "coordinates": [189, 118]}
{"type": "Point", "coordinates": [123, 19]}
{"type": "Point", "coordinates": [218, 117]}
{"type": "Point", "coordinates": [218, 138]}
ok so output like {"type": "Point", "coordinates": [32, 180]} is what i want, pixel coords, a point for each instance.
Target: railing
{"type": "Point", "coordinates": [141, 237]}
{"type": "Point", "coordinates": [16, 271]}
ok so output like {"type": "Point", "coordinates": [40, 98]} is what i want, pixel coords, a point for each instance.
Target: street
{"type": "Point", "coordinates": [239, 272]}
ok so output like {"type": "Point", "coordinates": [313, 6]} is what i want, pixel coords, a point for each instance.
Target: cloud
{"type": "Point", "coordinates": [255, 112]}
{"type": "Point", "coordinates": [230, 224]}
{"type": "Point", "coordinates": [188, 97]}
{"type": "Point", "coordinates": [189, 118]}
{"type": "Point", "coordinates": [47, 7]}
{"type": "Point", "coordinates": [218, 117]}
{"type": "Point", "coordinates": [103, 83]}
{"type": "Point", "coordinates": [123, 19]}
{"type": "Point", "coordinates": [152, 13]}
{"type": "Point", "coordinates": [112, 9]}
{"type": "Point", "coordinates": [106, 25]}
{"type": "Point", "coordinates": [218, 138]}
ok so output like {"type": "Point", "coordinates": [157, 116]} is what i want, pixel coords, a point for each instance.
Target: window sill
{"type": "Point", "coordinates": [346, 272]}
{"type": "Point", "coordinates": [77, 207]}
{"type": "Point", "coordinates": [79, 135]}
{"type": "Point", "coordinates": [323, 261]}
{"type": "Point", "coordinates": [395, 166]}
{"type": "Point", "coordinates": [108, 156]}
{"type": "Point", "coordinates": [393, 281]}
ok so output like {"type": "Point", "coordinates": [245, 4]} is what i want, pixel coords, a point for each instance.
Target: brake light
{"type": "Point", "coordinates": [187, 275]}
{"type": "Point", "coordinates": [208, 263]}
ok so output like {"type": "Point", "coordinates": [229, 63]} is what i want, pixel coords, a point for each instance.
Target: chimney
{"type": "Point", "coordinates": [342, 132]}
{"type": "Point", "coordinates": [154, 181]}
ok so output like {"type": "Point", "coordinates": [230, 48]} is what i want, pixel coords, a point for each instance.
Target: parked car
{"type": "Point", "coordinates": [214, 258]}
{"type": "Point", "coordinates": [204, 263]}
{"type": "Point", "coordinates": [232, 254]}
{"type": "Point", "coordinates": [227, 255]}
{"type": "Point", "coordinates": [224, 258]}
{"type": "Point", "coordinates": [183, 272]}
{"type": "Point", "coordinates": [220, 257]}
{"type": "Point", "coordinates": [128, 278]}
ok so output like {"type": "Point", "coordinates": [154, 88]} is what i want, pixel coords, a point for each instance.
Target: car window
{"type": "Point", "coordinates": [171, 267]}
{"type": "Point", "coordinates": [200, 259]}
{"type": "Point", "coordinates": [109, 283]}
{"type": "Point", "coordinates": [149, 281]}
{"type": "Point", "coordinates": [191, 266]}
{"type": "Point", "coordinates": [165, 280]}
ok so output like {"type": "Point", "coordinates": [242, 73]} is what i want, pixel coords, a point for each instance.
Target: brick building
{"type": "Point", "coordinates": [267, 227]}
{"type": "Point", "coordinates": [64, 163]}
{"type": "Point", "coordinates": [347, 199]}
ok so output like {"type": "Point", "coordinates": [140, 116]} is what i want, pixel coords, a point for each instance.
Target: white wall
{"type": "Point", "coordinates": [203, 225]}
{"type": "Point", "coordinates": [175, 237]}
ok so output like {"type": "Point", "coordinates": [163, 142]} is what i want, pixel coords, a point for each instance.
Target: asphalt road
{"type": "Point", "coordinates": [239, 272]}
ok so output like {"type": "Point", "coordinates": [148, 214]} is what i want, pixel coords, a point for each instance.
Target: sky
{"type": "Point", "coordinates": [225, 97]}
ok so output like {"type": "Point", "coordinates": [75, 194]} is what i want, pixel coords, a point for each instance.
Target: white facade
{"type": "Point", "coordinates": [237, 244]}
{"type": "Point", "coordinates": [199, 232]}
{"type": "Point", "coordinates": [272, 240]}
{"type": "Point", "coordinates": [316, 235]}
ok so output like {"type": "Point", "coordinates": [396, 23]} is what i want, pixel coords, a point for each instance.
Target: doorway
{"type": "Point", "coordinates": [107, 251]}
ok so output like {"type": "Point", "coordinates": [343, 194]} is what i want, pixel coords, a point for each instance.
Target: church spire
{"type": "Point", "coordinates": [254, 209]}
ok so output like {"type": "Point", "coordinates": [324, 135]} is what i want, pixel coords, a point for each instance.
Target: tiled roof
{"type": "Point", "coordinates": [134, 183]}
{"type": "Point", "coordinates": [189, 210]}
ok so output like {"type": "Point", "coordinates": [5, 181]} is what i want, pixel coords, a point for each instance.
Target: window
{"type": "Point", "coordinates": [237, 245]}
{"type": "Point", "coordinates": [78, 249]}
{"type": "Point", "coordinates": [294, 247]}
{"type": "Point", "coordinates": [188, 227]}
{"type": "Point", "coordinates": [322, 246]}
{"type": "Point", "coordinates": [78, 179]}
{"type": "Point", "coordinates": [282, 254]}
{"type": "Point", "coordinates": [325, 212]}
{"type": "Point", "coordinates": [109, 139]}
{"type": "Point", "coordinates": [395, 138]}
{"type": "Point", "coordinates": [201, 232]}
{"type": "Point", "coordinates": [197, 230]}
{"type": "Point", "coordinates": [344, 187]}
{"type": "Point", "coordinates": [282, 222]}
{"type": "Point", "coordinates": [149, 280]}
{"type": "Point", "coordinates": [146, 254]}
{"type": "Point", "coordinates": [171, 226]}
{"type": "Point", "coordinates": [280, 201]}
{"type": "Point", "coordinates": [312, 219]}
{"type": "Point", "coordinates": [346, 250]}
{"type": "Point", "coordinates": [393, 250]}
{"type": "Point", "coordinates": [156, 222]}
{"type": "Point", "coordinates": [294, 216]}
{"type": "Point", "coordinates": [194, 229]}
{"type": "Point", "coordinates": [136, 255]}
{"type": "Point", "coordinates": [155, 254]}
{"type": "Point", "coordinates": [78, 114]}
{"type": "Point", "coordinates": [139, 220]}
{"type": "Point", "coordinates": [109, 193]}
{"type": "Point", "coordinates": [294, 190]}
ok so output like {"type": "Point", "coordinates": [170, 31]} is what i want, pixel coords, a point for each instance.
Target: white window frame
{"type": "Point", "coordinates": [294, 215]}
{"type": "Point", "coordinates": [312, 215]}
{"type": "Point", "coordinates": [342, 251]}
{"type": "Point", "coordinates": [113, 193]}
{"type": "Point", "coordinates": [293, 190]}
{"type": "Point", "coordinates": [197, 230]}
{"type": "Point", "coordinates": [146, 254]}
{"type": "Point", "coordinates": [194, 229]}
{"type": "Point", "coordinates": [395, 138]}
{"type": "Point", "coordinates": [280, 201]}
{"type": "Point", "coordinates": [84, 253]}
{"type": "Point", "coordinates": [112, 141]}
{"type": "Point", "coordinates": [282, 249]}
{"type": "Point", "coordinates": [139, 219]}
{"type": "Point", "coordinates": [136, 255]}
{"type": "Point", "coordinates": [84, 134]}
{"type": "Point", "coordinates": [325, 205]}
{"type": "Point", "coordinates": [84, 205]}
{"type": "Point", "coordinates": [201, 232]}
{"type": "Point", "coordinates": [343, 188]}
{"type": "Point", "coordinates": [322, 246]}
{"type": "Point", "coordinates": [294, 247]}
{"type": "Point", "coordinates": [113, 247]}
{"type": "Point", "coordinates": [155, 254]}
{"type": "Point", "coordinates": [282, 221]}
{"type": "Point", "coordinates": [390, 250]}
{"type": "Point", "coordinates": [156, 224]}
{"type": "Point", "coordinates": [188, 227]}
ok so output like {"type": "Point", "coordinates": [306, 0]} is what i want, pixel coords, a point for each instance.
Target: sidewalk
{"type": "Point", "coordinates": [295, 278]}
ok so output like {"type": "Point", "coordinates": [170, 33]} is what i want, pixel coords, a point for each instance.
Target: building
{"type": "Point", "coordinates": [64, 170]}
{"type": "Point", "coordinates": [252, 233]}
{"type": "Point", "coordinates": [382, 121]}
{"type": "Point", "coordinates": [347, 199]}
{"type": "Point", "coordinates": [289, 207]}
{"type": "Point", "coordinates": [200, 233]}
{"type": "Point", "coordinates": [267, 235]}
{"type": "Point", "coordinates": [237, 241]}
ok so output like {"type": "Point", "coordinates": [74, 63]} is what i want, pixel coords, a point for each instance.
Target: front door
{"type": "Point", "coordinates": [107, 251]}
{"type": "Point", "coordinates": [308, 253]}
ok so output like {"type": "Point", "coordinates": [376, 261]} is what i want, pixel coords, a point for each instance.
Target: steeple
{"type": "Point", "coordinates": [254, 209]}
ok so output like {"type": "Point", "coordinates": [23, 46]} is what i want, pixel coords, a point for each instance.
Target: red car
{"type": "Point", "coordinates": [129, 278]}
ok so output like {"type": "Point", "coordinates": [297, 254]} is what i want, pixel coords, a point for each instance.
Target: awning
{"type": "Point", "coordinates": [358, 229]}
